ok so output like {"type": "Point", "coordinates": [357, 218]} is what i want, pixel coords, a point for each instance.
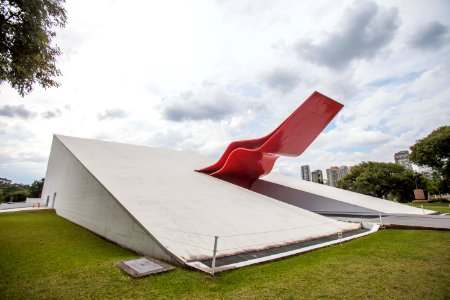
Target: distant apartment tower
{"type": "Point", "coordinates": [426, 171]}
{"type": "Point", "coordinates": [343, 170]}
{"type": "Point", "coordinates": [305, 173]}
{"type": "Point", "coordinates": [317, 176]}
{"type": "Point", "coordinates": [402, 158]}
{"type": "Point", "coordinates": [333, 176]}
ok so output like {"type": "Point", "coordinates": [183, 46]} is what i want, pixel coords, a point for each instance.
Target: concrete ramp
{"type": "Point", "coordinates": [328, 200]}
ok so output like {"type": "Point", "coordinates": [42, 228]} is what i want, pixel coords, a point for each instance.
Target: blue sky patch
{"type": "Point", "coordinates": [395, 80]}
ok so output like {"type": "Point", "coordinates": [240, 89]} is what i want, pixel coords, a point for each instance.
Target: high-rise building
{"type": "Point", "coordinates": [317, 176]}
{"type": "Point", "coordinates": [333, 176]}
{"type": "Point", "coordinates": [426, 171]}
{"type": "Point", "coordinates": [343, 170]}
{"type": "Point", "coordinates": [402, 158]}
{"type": "Point", "coordinates": [305, 173]}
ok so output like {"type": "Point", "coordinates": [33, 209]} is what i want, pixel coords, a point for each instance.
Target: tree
{"type": "Point", "coordinates": [26, 53]}
{"type": "Point", "coordinates": [383, 180]}
{"type": "Point", "coordinates": [434, 151]}
{"type": "Point", "coordinates": [17, 192]}
{"type": "Point", "coordinates": [434, 185]}
{"type": "Point", "coordinates": [4, 182]}
{"type": "Point", "coordinates": [36, 188]}
{"type": "Point", "coordinates": [13, 191]}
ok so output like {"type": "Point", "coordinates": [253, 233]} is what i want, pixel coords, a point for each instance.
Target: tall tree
{"type": "Point", "coordinates": [434, 151]}
{"type": "Point", "coordinates": [381, 180]}
{"type": "Point", "coordinates": [36, 188]}
{"type": "Point", "coordinates": [26, 53]}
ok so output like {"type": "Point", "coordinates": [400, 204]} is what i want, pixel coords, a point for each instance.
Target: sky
{"type": "Point", "coordinates": [196, 75]}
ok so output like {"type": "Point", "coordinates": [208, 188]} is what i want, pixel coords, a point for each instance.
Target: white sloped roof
{"type": "Point", "coordinates": [184, 209]}
{"type": "Point", "coordinates": [373, 203]}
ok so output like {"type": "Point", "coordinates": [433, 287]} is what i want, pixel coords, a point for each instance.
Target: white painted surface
{"type": "Point", "coordinates": [347, 200]}
{"type": "Point", "coordinates": [7, 210]}
{"type": "Point", "coordinates": [33, 201]}
{"type": "Point", "coordinates": [81, 199]}
{"type": "Point", "coordinates": [181, 208]}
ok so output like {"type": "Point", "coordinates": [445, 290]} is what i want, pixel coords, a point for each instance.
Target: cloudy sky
{"type": "Point", "coordinates": [195, 75]}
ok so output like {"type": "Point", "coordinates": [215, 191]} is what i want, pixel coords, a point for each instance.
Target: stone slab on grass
{"type": "Point", "coordinates": [144, 266]}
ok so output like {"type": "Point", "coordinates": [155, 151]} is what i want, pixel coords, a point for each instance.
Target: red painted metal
{"type": "Point", "coordinates": [243, 162]}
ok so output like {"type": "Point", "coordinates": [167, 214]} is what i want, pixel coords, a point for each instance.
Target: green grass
{"type": "Point", "coordinates": [43, 256]}
{"type": "Point", "coordinates": [436, 206]}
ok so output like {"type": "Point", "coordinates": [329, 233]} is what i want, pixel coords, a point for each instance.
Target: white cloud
{"type": "Point", "coordinates": [19, 111]}
{"type": "Point", "coordinates": [50, 114]}
{"type": "Point", "coordinates": [363, 30]}
{"type": "Point", "coordinates": [111, 114]}
{"type": "Point", "coordinates": [431, 36]}
{"type": "Point", "coordinates": [283, 80]}
{"type": "Point", "coordinates": [207, 73]}
{"type": "Point", "coordinates": [209, 102]}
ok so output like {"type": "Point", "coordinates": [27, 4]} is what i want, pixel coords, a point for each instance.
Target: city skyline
{"type": "Point", "coordinates": [401, 158]}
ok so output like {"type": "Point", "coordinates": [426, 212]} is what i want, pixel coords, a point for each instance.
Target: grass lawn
{"type": "Point", "coordinates": [43, 256]}
{"type": "Point", "coordinates": [440, 207]}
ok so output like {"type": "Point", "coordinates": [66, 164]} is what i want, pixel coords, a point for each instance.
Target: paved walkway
{"type": "Point", "coordinates": [4, 208]}
{"type": "Point", "coordinates": [406, 221]}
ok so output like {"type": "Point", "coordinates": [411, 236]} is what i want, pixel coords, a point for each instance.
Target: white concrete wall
{"type": "Point", "coordinates": [33, 201]}
{"type": "Point", "coordinates": [81, 199]}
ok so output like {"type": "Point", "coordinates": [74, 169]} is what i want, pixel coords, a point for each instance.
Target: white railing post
{"type": "Point", "coordinates": [423, 210]}
{"type": "Point", "coordinates": [381, 221]}
{"type": "Point", "coordinates": [213, 265]}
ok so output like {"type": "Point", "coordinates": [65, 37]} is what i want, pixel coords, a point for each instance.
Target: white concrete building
{"type": "Point", "coordinates": [343, 170]}
{"type": "Point", "coordinates": [152, 201]}
{"type": "Point", "coordinates": [402, 158]}
{"type": "Point", "coordinates": [306, 173]}
{"type": "Point", "coordinates": [332, 176]}
{"type": "Point", "coordinates": [317, 176]}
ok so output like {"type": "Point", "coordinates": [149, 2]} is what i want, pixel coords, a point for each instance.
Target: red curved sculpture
{"type": "Point", "coordinates": [243, 162]}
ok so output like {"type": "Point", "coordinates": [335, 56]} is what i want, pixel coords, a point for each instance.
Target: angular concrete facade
{"type": "Point", "coordinates": [78, 196]}
{"type": "Point", "coordinates": [152, 201]}
{"type": "Point", "coordinates": [327, 200]}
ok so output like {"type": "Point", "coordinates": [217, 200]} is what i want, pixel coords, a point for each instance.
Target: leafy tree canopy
{"type": "Point", "coordinates": [26, 53]}
{"type": "Point", "coordinates": [16, 192]}
{"type": "Point", "coordinates": [36, 188]}
{"type": "Point", "coordinates": [382, 180]}
{"type": "Point", "coordinates": [4, 182]}
{"type": "Point", "coordinates": [10, 191]}
{"type": "Point", "coordinates": [434, 151]}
